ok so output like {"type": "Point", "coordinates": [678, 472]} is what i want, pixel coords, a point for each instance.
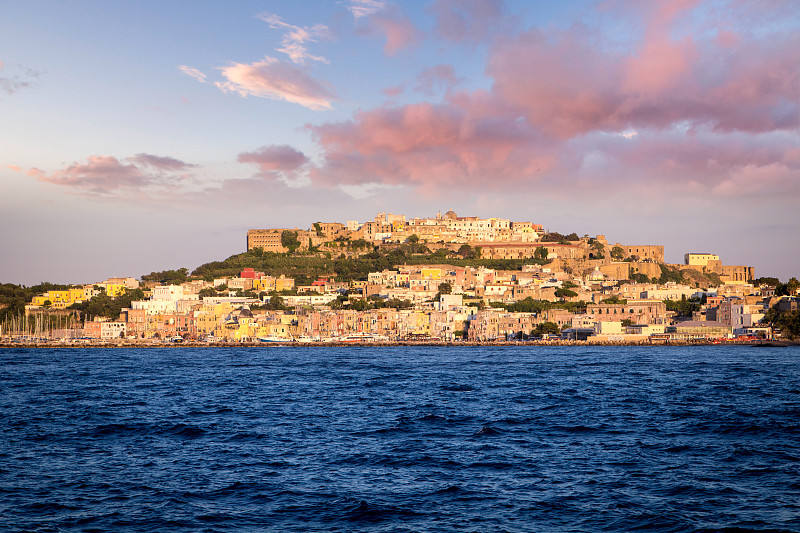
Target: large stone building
{"type": "Point", "coordinates": [638, 311]}
{"type": "Point", "coordinates": [269, 240]}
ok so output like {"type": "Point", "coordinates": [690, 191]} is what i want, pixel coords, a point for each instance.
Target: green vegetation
{"type": "Point", "coordinates": [788, 322]}
{"type": "Point", "coordinates": [670, 274]}
{"type": "Point", "coordinates": [559, 238]}
{"type": "Point", "coordinates": [788, 288]}
{"type": "Point", "coordinates": [529, 305]}
{"type": "Point", "coordinates": [545, 328]}
{"type": "Point", "coordinates": [289, 240]}
{"type": "Point", "coordinates": [617, 253]}
{"type": "Point", "coordinates": [561, 292]}
{"type": "Point", "coordinates": [468, 252]}
{"type": "Point", "coordinates": [614, 300]}
{"type": "Point", "coordinates": [373, 302]}
{"type": "Point", "coordinates": [306, 269]}
{"type": "Point", "coordinates": [638, 277]}
{"type": "Point", "coordinates": [684, 307]}
{"type": "Point", "coordinates": [14, 297]}
{"type": "Point", "coordinates": [773, 282]}
{"type": "Point", "coordinates": [597, 249]}
{"type": "Point", "coordinates": [103, 305]}
{"type": "Point", "coordinates": [168, 277]}
{"type": "Point", "coordinates": [445, 288]}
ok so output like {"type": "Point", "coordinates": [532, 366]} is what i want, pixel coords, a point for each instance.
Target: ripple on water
{"type": "Point", "coordinates": [400, 439]}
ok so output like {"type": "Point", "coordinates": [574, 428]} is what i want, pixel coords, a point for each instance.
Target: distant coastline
{"type": "Point", "coordinates": [382, 344]}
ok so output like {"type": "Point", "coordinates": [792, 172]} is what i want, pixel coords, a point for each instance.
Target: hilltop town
{"type": "Point", "coordinates": [441, 279]}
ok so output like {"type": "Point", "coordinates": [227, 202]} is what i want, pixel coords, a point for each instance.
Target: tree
{"type": "Point", "coordinates": [289, 240]}
{"type": "Point", "coordinates": [545, 328]}
{"type": "Point", "coordinates": [168, 277]}
{"type": "Point", "coordinates": [540, 254]}
{"type": "Point", "coordinates": [318, 229]}
{"type": "Point", "coordinates": [788, 288]}
{"type": "Point", "coordinates": [773, 282]}
{"type": "Point", "coordinates": [276, 303]}
{"type": "Point", "coordinates": [207, 292]}
{"type": "Point", "coordinates": [468, 252]}
{"type": "Point", "coordinates": [561, 292]}
{"type": "Point", "coordinates": [618, 253]}
{"type": "Point", "coordinates": [683, 307]}
{"type": "Point", "coordinates": [445, 288]}
{"type": "Point", "coordinates": [788, 322]}
{"type": "Point", "coordinates": [597, 249]}
{"type": "Point", "coordinates": [413, 238]}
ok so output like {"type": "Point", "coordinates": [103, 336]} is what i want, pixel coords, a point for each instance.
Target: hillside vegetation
{"type": "Point", "coordinates": [307, 268]}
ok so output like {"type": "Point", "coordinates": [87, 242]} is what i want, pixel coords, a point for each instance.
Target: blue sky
{"type": "Point", "coordinates": [144, 136]}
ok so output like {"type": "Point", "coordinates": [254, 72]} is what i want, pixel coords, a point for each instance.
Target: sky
{"type": "Point", "coordinates": [143, 136]}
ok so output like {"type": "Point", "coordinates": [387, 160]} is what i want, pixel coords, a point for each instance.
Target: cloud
{"type": "Point", "coordinates": [428, 146]}
{"type": "Point", "coordinates": [272, 79]}
{"type": "Point", "coordinates": [695, 110]}
{"type": "Point", "coordinates": [279, 162]}
{"type": "Point", "coordinates": [193, 72]}
{"type": "Point", "coordinates": [19, 78]}
{"type": "Point", "coordinates": [771, 179]}
{"type": "Point", "coordinates": [270, 158]}
{"type": "Point", "coordinates": [388, 21]}
{"type": "Point", "coordinates": [398, 29]}
{"type": "Point", "coordinates": [438, 76]}
{"type": "Point", "coordinates": [167, 164]}
{"type": "Point", "coordinates": [108, 176]}
{"type": "Point", "coordinates": [468, 21]}
{"type": "Point", "coordinates": [568, 83]}
{"type": "Point", "coordinates": [295, 37]}
{"type": "Point", "coordinates": [365, 8]}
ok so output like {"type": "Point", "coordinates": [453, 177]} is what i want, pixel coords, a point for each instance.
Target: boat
{"type": "Point", "coordinates": [361, 337]}
{"type": "Point", "coordinates": [274, 338]}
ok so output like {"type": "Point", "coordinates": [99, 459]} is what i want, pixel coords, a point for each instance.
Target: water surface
{"type": "Point", "coordinates": [400, 439]}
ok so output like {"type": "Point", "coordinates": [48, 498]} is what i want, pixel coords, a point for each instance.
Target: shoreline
{"type": "Point", "coordinates": [291, 344]}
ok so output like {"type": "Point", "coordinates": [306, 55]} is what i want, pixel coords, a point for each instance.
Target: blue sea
{"type": "Point", "coordinates": [396, 439]}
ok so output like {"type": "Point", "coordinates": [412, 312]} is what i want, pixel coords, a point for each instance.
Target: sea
{"type": "Point", "coordinates": [400, 439]}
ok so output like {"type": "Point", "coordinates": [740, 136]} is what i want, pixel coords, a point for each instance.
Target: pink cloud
{"type": "Point", "coordinates": [472, 21]}
{"type": "Point", "coordinates": [427, 146]}
{"type": "Point", "coordinates": [393, 92]}
{"type": "Point", "coordinates": [398, 29]}
{"type": "Point", "coordinates": [295, 39]}
{"type": "Point", "coordinates": [108, 176]}
{"type": "Point", "coordinates": [567, 84]}
{"type": "Point", "coordinates": [160, 162]}
{"type": "Point", "coordinates": [772, 179]}
{"type": "Point", "coordinates": [272, 79]}
{"type": "Point", "coordinates": [275, 158]}
{"type": "Point", "coordinates": [437, 76]}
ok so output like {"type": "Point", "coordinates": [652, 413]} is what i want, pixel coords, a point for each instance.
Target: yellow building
{"type": "Point", "coordinates": [61, 299]}
{"type": "Point", "coordinates": [115, 289]}
{"type": "Point", "coordinates": [431, 273]}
